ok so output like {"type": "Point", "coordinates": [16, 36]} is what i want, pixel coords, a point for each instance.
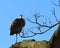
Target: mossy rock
{"type": "Point", "coordinates": [31, 44]}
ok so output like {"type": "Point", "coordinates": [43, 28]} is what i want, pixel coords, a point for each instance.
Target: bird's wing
{"type": "Point", "coordinates": [14, 23]}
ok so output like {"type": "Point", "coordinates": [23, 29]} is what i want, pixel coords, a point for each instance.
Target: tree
{"type": "Point", "coordinates": [39, 26]}
{"type": "Point", "coordinates": [44, 24]}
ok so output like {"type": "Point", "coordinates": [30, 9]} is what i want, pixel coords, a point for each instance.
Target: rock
{"type": "Point", "coordinates": [31, 44]}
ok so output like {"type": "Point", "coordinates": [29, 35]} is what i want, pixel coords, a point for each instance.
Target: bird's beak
{"type": "Point", "coordinates": [20, 16]}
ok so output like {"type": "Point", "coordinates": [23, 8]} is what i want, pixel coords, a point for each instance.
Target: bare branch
{"type": "Point", "coordinates": [27, 36]}
{"type": "Point", "coordinates": [45, 30]}
{"type": "Point", "coordinates": [50, 22]}
{"type": "Point", "coordinates": [40, 25]}
{"type": "Point", "coordinates": [23, 36]}
{"type": "Point", "coordinates": [31, 21]}
{"type": "Point", "coordinates": [54, 14]}
{"type": "Point", "coordinates": [54, 3]}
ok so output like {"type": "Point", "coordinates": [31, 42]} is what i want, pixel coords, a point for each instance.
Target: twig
{"type": "Point", "coordinates": [54, 3]}
{"type": "Point", "coordinates": [54, 14]}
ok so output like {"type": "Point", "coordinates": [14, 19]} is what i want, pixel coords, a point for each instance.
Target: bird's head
{"type": "Point", "coordinates": [21, 16]}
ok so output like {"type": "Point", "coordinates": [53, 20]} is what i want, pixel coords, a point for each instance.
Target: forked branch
{"type": "Point", "coordinates": [41, 25]}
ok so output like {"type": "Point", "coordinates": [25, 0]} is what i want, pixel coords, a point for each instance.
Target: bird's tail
{"type": "Point", "coordinates": [11, 33]}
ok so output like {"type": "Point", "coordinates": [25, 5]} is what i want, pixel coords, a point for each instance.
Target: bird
{"type": "Point", "coordinates": [17, 26]}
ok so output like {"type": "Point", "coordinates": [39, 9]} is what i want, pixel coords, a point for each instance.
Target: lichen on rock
{"type": "Point", "coordinates": [31, 44]}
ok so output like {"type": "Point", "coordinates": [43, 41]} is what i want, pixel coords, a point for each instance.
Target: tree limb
{"type": "Point", "coordinates": [39, 26]}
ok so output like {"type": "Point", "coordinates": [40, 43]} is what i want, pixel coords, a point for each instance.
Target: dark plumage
{"type": "Point", "coordinates": [17, 25]}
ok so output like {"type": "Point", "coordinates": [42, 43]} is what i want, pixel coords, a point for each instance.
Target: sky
{"type": "Point", "coordinates": [11, 9]}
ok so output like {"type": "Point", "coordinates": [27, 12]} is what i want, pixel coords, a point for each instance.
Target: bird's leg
{"type": "Point", "coordinates": [23, 32]}
{"type": "Point", "coordinates": [16, 38]}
